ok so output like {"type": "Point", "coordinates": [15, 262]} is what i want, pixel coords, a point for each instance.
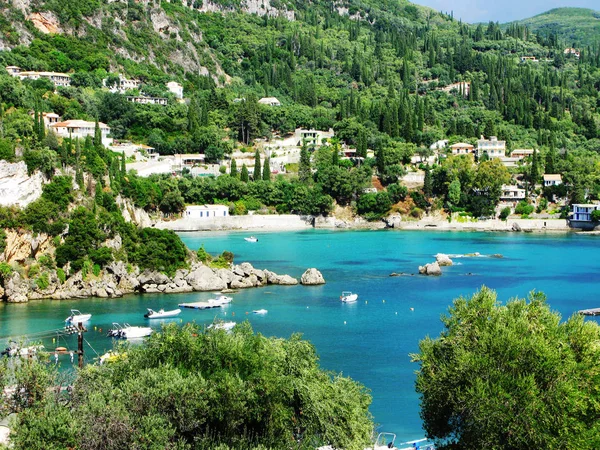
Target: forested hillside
{"type": "Point", "coordinates": [574, 26]}
{"type": "Point", "coordinates": [379, 74]}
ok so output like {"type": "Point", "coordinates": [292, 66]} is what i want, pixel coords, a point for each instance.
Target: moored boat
{"type": "Point", "coordinates": [260, 311]}
{"type": "Point", "coordinates": [161, 313]}
{"type": "Point", "coordinates": [348, 297]}
{"type": "Point", "coordinates": [251, 239]}
{"type": "Point", "coordinates": [227, 326]}
{"type": "Point", "coordinates": [76, 317]}
{"type": "Point", "coordinates": [128, 332]}
{"type": "Point", "coordinates": [220, 300]}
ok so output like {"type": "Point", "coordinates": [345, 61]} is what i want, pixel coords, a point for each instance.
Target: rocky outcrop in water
{"type": "Point", "coordinates": [312, 277]}
{"type": "Point", "coordinates": [443, 260]}
{"type": "Point", "coordinates": [430, 269]}
{"type": "Point", "coordinates": [118, 279]}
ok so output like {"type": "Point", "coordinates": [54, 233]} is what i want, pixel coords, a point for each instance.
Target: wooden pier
{"type": "Point", "coordinates": [590, 312]}
{"type": "Point", "coordinates": [201, 305]}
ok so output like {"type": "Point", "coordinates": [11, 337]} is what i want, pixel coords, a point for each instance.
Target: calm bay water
{"type": "Point", "coordinates": [370, 340]}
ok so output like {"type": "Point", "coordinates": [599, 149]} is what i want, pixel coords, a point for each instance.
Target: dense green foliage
{"type": "Point", "coordinates": [573, 26]}
{"type": "Point", "coordinates": [510, 377]}
{"type": "Point", "coordinates": [186, 389]}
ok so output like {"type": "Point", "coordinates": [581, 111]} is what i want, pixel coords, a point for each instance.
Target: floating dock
{"type": "Point", "coordinates": [590, 312]}
{"type": "Point", "coordinates": [200, 305]}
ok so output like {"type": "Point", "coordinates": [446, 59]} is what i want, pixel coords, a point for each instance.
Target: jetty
{"type": "Point", "coordinates": [590, 312]}
{"type": "Point", "coordinates": [201, 305]}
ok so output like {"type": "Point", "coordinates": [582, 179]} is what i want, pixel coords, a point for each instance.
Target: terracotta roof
{"type": "Point", "coordinates": [77, 124]}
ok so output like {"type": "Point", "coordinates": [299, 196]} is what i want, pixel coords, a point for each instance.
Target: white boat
{"type": "Point", "coordinates": [384, 441]}
{"type": "Point", "coordinates": [161, 313]}
{"type": "Point", "coordinates": [348, 297]}
{"type": "Point", "coordinates": [128, 332]}
{"type": "Point", "coordinates": [251, 239]}
{"type": "Point", "coordinates": [260, 311]}
{"type": "Point", "coordinates": [220, 300]}
{"type": "Point", "coordinates": [76, 317]}
{"type": "Point", "coordinates": [227, 326]}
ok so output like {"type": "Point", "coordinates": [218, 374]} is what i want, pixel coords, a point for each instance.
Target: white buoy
{"type": "Point", "coordinates": [412, 309]}
{"type": "Point", "coordinates": [344, 322]}
{"type": "Point", "coordinates": [396, 312]}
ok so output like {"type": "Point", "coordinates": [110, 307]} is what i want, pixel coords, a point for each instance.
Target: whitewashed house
{"type": "Point", "coordinates": [461, 148]}
{"type": "Point", "coordinates": [493, 148]}
{"type": "Point", "coordinates": [175, 88]}
{"type": "Point", "coordinates": [583, 212]}
{"type": "Point", "coordinates": [81, 129]}
{"type": "Point", "coordinates": [205, 211]}
{"type": "Point", "coordinates": [551, 179]}
{"type": "Point", "coordinates": [269, 101]}
{"type": "Point", "coordinates": [512, 193]}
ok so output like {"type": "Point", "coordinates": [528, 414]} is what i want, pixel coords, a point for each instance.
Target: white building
{"type": "Point", "coordinates": [552, 179]}
{"type": "Point", "coordinates": [58, 79]}
{"type": "Point", "coordinates": [439, 145]}
{"type": "Point", "coordinates": [512, 193]}
{"type": "Point", "coordinates": [270, 101]}
{"type": "Point", "coordinates": [147, 100]}
{"type": "Point", "coordinates": [311, 137]}
{"type": "Point", "coordinates": [572, 51]}
{"type": "Point", "coordinates": [492, 147]}
{"type": "Point", "coordinates": [521, 153]}
{"type": "Point", "coordinates": [462, 148]}
{"type": "Point", "coordinates": [583, 212]}
{"type": "Point", "coordinates": [50, 118]}
{"type": "Point", "coordinates": [205, 211]}
{"type": "Point", "coordinates": [13, 70]}
{"type": "Point", "coordinates": [125, 84]}
{"type": "Point", "coordinates": [81, 129]}
{"type": "Point", "coordinates": [175, 88]}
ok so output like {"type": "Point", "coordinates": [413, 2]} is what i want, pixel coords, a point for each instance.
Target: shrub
{"type": "Point", "coordinates": [505, 213]}
{"type": "Point", "coordinates": [596, 215]}
{"type": "Point", "coordinates": [203, 255]}
{"type": "Point", "coordinates": [523, 208]}
{"type": "Point", "coordinates": [33, 271]}
{"type": "Point", "coordinates": [43, 281]}
{"type": "Point", "coordinates": [60, 274]}
{"type": "Point", "coordinates": [96, 270]}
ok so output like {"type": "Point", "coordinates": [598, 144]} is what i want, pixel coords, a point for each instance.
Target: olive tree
{"type": "Point", "coordinates": [510, 376]}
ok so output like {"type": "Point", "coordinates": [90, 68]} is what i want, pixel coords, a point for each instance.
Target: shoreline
{"type": "Point", "coordinates": [290, 222]}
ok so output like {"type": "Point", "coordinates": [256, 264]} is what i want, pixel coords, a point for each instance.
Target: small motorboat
{"type": "Point", "coordinates": [348, 297]}
{"type": "Point", "coordinates": [384, 441]}
{"type": "Point", "coordinates": [161, 313]}
{"type": "Point", "coordinates": [251, 239]}
{"type": "Point", "coordinates": [128, 332]}
{"type": "Point", "coordinates": [260, 311]}
{"type": "Point", "coordinates": [219, 301]}
{"type": "Point", "coordinates": [227, 326]}
{"type": "Point", "coordinates": [76, 317]}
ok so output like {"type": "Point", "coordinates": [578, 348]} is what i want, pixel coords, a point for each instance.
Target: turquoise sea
{"type": "Point", "coordinates": [370, 340]}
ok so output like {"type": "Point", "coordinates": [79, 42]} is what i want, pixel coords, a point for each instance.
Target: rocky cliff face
{"type": "Point", "coordinates": [16, 186]}
{"type": "Point", "coordinates": [22, 245]}
{"type": "Point", "coordinates": [118, 279]}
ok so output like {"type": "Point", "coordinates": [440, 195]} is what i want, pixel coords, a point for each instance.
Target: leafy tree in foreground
{"type": "Point", "coordinates": [510, 377]}
{"type": "Point", "coordinates": [204, 390]}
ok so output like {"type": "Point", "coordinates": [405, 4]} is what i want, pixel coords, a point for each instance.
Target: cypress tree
{"type": "Point", "coordinates": [257, 172]}
{"type": "Point", "coordinates": [266, 174]}
{"type": "Point", "coordinates": [97, 134]}
{"type": "Point", "coordinates": [428, 183]}
{"type": "Point", "coordinates": [41, 128]}
{"type": "Point", "coordinates": [233, 170]}
{"type": "Point", "coordinates": [244, 174]}
{"type": "Point", "coordinates": [36, 122]}
{"type": "Point", "coordinates": [361, 144]}
{"type": "Point", "coordinates": [123, 166]}
{"type": "Point", "coordinates": [99, 196]}
{"type": "Point", "coordinates": [304, 165]}
{"type": "Point", "coordinates": [335, 154]}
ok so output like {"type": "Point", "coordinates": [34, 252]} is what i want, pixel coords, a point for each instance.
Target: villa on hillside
{"type": "Point", "coordinates": [58, 79]}
{"type": "Point", "coordinates": [50, 118]}
{"type": "Point", "coordinates": [147, 100]}
{"type": "Point", "coordinates": [552, 179]}
{"type": "Point", "coordinates": [81, 129]}
{"type": "Point", "coordinates": [529, 58]}
{"type": "Point", "coordinates": [462, 148]}
{"type": "Point", "coordinates": [269, 101]}
{"type": "Point", "coordinates": [572, 51]}
{"type": "Point", "coordinates": [493, 148]}
{"type": "Point", "coordinates": [175, 88]}
{"type": "Point", "coordinates": [521, 153]}
{"type": "Point", "coordinates": [512, 193]}
{"type": "Point", "coordinates": [125, 84]}
{"type": "Point", "coordinates": [205, 211]}
{"type": "Point", "coordinates": [438, 145]}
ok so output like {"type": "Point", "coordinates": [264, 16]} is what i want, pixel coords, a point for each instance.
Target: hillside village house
{"type": "Point", "coordinates": [147, 100]}
{"type": "Point", "coordinates": [270, 101]}
{"type": "Point", "coordinates": [512, 193]}
{"type": "Point", "coordinates": [50, 118]}
{"type": "Point", "coordinates": [572, 51]}
{"type": "Point", "coordinates": [175, 88]}
{"type": "Point", "coordinates": [462, 148]}
{"type": "Point", "coordinates": [521, 153]}
{"type": "Point", "coordinates": [583, 212]}
{"type": "Point", "coordinates": [205, 211]}
{"type": "Point", "coordinates": [311, 137]}
{"type": "Point", "coordinates": [125, 84]}
{"type": "Point", "coordinates": [492, 147]}
{"type": "Point", "coordinates": [58, 79]}
{"type": "Point", "coordinates": [81, 129]}
{"type": "Point", "coordinates": [529, 58]}
{"type": "Point", "coordinates": [438, 145]}
{"type": "Point", "coordinates": [552, 179]}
